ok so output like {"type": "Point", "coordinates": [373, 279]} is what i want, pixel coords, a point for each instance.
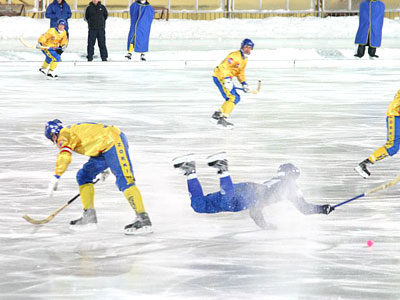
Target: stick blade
{"type": "Point", "coordinates": [33, 221]}
{"type": "Point", "coordinates": [256, 91]}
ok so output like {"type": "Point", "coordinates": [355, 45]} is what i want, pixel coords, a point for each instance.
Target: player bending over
{"type": "Point", "coordinates": [245, 195]}
{"type": "Point", "coordinates": [53, 43]}
{"type": "Point", "coordinates": [107, 147]}
{"type": "Point", "coordinates": [232, 66]}
{"type": "Point", "coordinates": [393, 138]}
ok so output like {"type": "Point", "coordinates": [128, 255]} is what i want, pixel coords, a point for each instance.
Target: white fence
{"type": "Point", "coordinates": [318, 7]}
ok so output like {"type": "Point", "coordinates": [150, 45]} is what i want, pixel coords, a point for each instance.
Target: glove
{"type": "Point", "coordinates": [103, 175]}
{"type": "Point", "coordinates": [53, 185]}
{"type": "Point", "coordinates": [326, 209]}
{"type": "Point", "coordinates": [39, 46]}
{"type": "Point", "coordinates": [228, 83]}
{"type": "Point", "coordinates": [245, 87]}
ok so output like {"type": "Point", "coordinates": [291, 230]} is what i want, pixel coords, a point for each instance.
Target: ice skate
{"type": "Point", "coordinates": [43, 71]}
{"type": "Point", "coordinates": [373, 57]}
{"type": "Point", "coordinates": [51, 75]}
{"type": "Point", "coordinates": [87, 222]}
{"type": "Point", "coordinates": [362, 169]}
{"type": "Point", "coordinates": [224, 123]}
{"type": "Point", "coordinates": [185, 163]}
{"type": "Point", "coordinates": [142, 225]}
{"type": "Point", "coordinates": [128, 56]}
{"type": "Point", "coordinates": [142, 58]}
{"type": "Point", "coordinates": [216, 115]}
{"type": "Point", "coordinates": [218, 161]}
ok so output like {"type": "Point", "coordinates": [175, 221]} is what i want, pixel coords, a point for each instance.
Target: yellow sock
{"type": "Point", "coordinates": [132, 194]}
{"type": "Point", "coordinates": [87, 195]}
{"type": "Point", "coordinates": [53, 65]}
{"type": "Point", "coordinates": [130, 48]}
{"type": "Point", "coordinates": [227, 108]}
{"type": "Point", "coordinates": [45, 65]}
{"type": "Point", "coordinates": [378, 154]}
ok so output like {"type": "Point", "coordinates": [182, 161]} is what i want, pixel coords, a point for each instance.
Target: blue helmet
{"type": "Point", "coordinates": [288, 171]}
{"type": "Point", "coordinates": [52, 127]}
{"type": "Point", "coordinates": [61, 22]}
{"type": "Point", "coordinates": [247, 42]}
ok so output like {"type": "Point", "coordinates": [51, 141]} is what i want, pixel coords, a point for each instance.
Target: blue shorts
{"type": "Point", "coordinates": [117, 159]}
{"type": "Point", "coordinates": [51, 55]}
{"type": "Point", "coordinates": [231, 95]}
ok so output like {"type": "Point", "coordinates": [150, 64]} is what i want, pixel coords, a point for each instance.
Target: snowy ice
{"type": "Point", "coordinates": [318, 108]}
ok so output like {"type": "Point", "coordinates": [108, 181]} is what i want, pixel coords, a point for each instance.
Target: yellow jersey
{"type": "Point", "coordinates": [232, 66]}
{"type": "Point", "coordinates": [89, 139]}
{"type": "Point", "coordinates": [394, 106]}
{"type": "Point", "coordinates": [53, 38]}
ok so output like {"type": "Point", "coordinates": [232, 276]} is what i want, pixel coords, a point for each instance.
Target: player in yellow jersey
{"type": "Point", "coordinates": [53, 43]}
{"type": "Point", "coordinates": [107, 147]}
{"type": "Point", "coordinates": [393, 138]}
{"type": "Point", "coordinates": [232, 66]}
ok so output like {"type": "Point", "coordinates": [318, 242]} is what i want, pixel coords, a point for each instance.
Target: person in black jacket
{"type": "Point", "coordinates": [96, 15]}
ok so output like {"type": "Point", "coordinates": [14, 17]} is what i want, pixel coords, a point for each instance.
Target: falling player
{"type": "Point", "coordinates": [107, 147]}
{"type": "Point", "coordinates": [232, 66]}
{"type": "Point", "coordinates": [53, 43]}
{"type": "Point", "coordinates": [393, 138]}
{"type": "Point", "coordinates": [245, 195]}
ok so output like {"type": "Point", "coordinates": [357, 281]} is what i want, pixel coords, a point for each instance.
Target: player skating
{"type": "Point", "coordinates": [53, 43]}
{"type": "Point", "coordinates": [232, 66]}
{"type": "Point", "coordinates": [393, 138]}
{"type": "Point", "coordinates": [245, 195]}
{"type": "Point", "coordinates": [107, 147]}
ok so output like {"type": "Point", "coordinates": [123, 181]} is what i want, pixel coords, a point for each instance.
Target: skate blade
{"type": "Point", "coordinates": [216, 156]}
{"type": "Point", "coordinates": [228, 127]}
{"type": "Point", "coordinates": [141, 231]}
{"type": "Point", "coordinates": [181, 159]}
{"type": "Point", "coordinates": [361, 172]}
{"type": "Point", "coordinates": [81, 228]}
{"type": "Point", "coordinates": [52, 78]}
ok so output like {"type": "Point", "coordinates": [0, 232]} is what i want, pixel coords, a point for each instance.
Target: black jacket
{"type": "Point", "coordinates": [96, 15]}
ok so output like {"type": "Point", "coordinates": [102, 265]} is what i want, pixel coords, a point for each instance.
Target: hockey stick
{"type": "Point", "coordinates": [256, 91]}
{"type": "Point", "coordinates": [21, 39]}
{"type": "Point", "coordinates": [51, 217]}
{"type": "Point", "coordinates": [374, 190]}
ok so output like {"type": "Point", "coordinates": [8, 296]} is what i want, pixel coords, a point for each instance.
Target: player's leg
{"type": "Point", "coordinates": [85, 178]}
{"type": "Point", "coordinates": [360, 51]}
{"type": "Point", "coordinates": [227, 190]}
{"type": "Point", "coordinates": [231, 99]}
{"type": "Point", "coordinates": [101, 39]}
{"type": "Point", "coordinates": [55, 59]}
{"type": "Point", "coordinates": [90, 44]}
{"type": "Point", "coordinates": [117, 158]}
{"type": "Point", "coordinates": [389, 149]}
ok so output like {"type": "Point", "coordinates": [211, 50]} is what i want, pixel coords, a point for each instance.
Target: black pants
{"type": "Point", "coordinates": [361, 50]}
{"type": "Point", "coordinates": [100, 35]}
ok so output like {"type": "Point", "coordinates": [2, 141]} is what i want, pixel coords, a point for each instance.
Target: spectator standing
{"type": "Point", "coordinates": [96, 15]}
{"type": "Point", "coordinates": [142, 14]}
{"type": "Point", "coordinates": [57, 10]}
{"type": "Point", "coordinates": [369, 33]}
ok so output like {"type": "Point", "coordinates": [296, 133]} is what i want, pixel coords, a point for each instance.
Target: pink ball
{"type": "Point", "coordinates": [370, 243]}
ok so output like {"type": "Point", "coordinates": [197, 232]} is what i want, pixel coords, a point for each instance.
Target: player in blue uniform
{"type": "Point", "coordinates": [246, 195]}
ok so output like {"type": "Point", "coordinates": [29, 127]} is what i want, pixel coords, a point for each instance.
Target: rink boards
{"type": "Point", "coordinates": [253, 64]}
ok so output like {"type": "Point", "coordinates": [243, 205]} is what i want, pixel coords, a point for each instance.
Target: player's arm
{"type": "Point", "coordinates": [258, 217]}
{"type": "Point", "coordinates": [307, 208]}
{"type": "Point", "coordinates": [64, 158]}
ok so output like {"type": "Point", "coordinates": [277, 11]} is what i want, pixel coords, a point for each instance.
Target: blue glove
{"type": "Point", "coordinates": [245, 87]}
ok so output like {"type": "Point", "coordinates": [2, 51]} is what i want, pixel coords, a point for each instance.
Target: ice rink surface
{"type": "Point", "coordinates": [324, 120]}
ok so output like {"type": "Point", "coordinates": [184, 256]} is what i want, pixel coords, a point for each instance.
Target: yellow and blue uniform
{"type": "Point", "coordinates": [393, 132]}
{"type": "Point", "coordinates": [53, 39]}
{"type": "Point", "coordinates": [232, 66]}
{"type": "Point", "coordinates": [107, 147]}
